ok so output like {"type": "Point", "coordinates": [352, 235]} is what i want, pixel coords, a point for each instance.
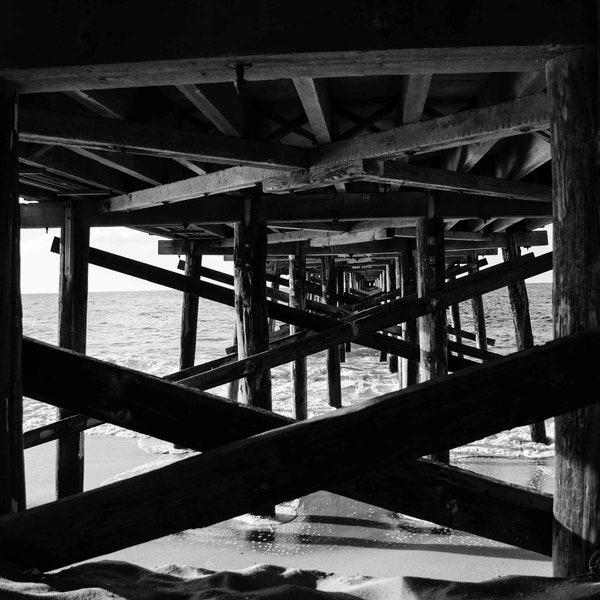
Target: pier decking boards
{"type": "Point", "coordinates": [362, 159]}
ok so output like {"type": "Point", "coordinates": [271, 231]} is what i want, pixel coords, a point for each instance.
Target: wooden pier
{"type": "Point", "coordinates": [358, 163]}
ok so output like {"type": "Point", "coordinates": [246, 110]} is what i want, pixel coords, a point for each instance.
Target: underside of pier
{"type": "Point", "coordinates": [359, 163]}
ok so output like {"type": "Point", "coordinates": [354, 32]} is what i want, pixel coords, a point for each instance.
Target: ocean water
{"type": "Point", "coordinates": [140, 330]}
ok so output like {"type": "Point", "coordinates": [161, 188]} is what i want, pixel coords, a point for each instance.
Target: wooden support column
{"type": "Point", "coordinates": [519, 304]}
{"type": "Point", "coordinates": [189, 315]}
{"type": "Point", "coordinates": [233, 389]}
{"type": "Point", "coordinates": [383, 285]}
{"type": "Point", "coordinates": [334, 382]}
{"type": "Point", "coordinates": [339, 286]}
{"type": "Point", "coordinates": [433, 341]}
{"type": "Point", "coordinates": [573, 93]}
{"type": "Point", "coordinates": [249, 270]}
{"type": "Point", "coordinates": [478, 314]}
{"type": "Point", "coordinates": [72, 329]}
{"type": "Point", "coordinates": [392, 285]}
{"type": "Point", "coordinates": [409, 371]}
{"type": "Point", "coordinates": [297, 291]}
{"type": "Point", "coordinates": [12, 478]}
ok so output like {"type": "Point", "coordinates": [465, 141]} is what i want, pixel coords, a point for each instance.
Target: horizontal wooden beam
{"type": "Point", "coordinates": [385, 246]}
{"type": "Point", "coordinates": [303, 457]}
{"type": "Point", "coordinates": [466, 127]}
{"type": "Point", "coordinates": [47, 127]}
{"type": "Point", "coordinates": [397, 173]}
{"type": "Point", "coordinates": [292, 208]}
{"type": "Point", "coordinates": [217, 182]}
{"type": "Point", "coordinates": [103, 46]}
{"type": "Point", "coordinates": [54, 431]}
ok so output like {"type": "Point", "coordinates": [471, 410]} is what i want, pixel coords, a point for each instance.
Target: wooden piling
{"type": "Point", "coordinates": [189, 315]}
{"type": "Point", "coordinates": [409, 371]}
{"type": "Point", "coordinates": [249, 264]}
{"type": "Point", "coordinates": [478, 314]}
{"type": "Point", "coordinates": [233, 389]}
{"type": "Point", "coordinates": [12, 478]}
{"type": "Point", "coordinates": [72, 330]}
{"type": "Point", "coordinates": [433, 341]}
{"type": "Point", "coordinates": [392, 284]}
{"type": "Point", "coordinates": [573, 93]}
{"type": "Point", "coordinates": [519, 304]}
{"type": "Point", "coordinates": [297, 299]}
{"type": "Point", "coordinates": [334, 382]}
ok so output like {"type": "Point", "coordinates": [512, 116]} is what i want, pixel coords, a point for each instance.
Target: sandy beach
{"type": "Point", "coordinates": [321, 531]}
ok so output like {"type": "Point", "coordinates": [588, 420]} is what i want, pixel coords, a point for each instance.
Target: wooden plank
{"type": "Point", "coordinates": [72, 334]}
{"type": "Point", "coordinates": [430, 264]}
{"type": "Point", "coordinates": [224, 111]}
{"type": "Point", "coordinates": [42, 214]}
{"type": "Point", "coordinates": [297, 459]}
{"type": "Point", "coordinates": [314, 96]}
{"type": "Point", "coordinates": [573, 93]}
{"type": "Point", "coordinates": [297, 299]}
{"type": "Point", "coordinates": [379, 39]}
{"type": "Point", "coordinates": [189, 316]}
{"type": "Point", "coordinates": [47, 127]}
{"type": "Point", "coordinates": [524, 238]}
{"type": "Point", "coordinates": [470, 126]}
{"type": "Point", "coordinates": [251, 321]}
{"type": "Point", "coordinates": [217, 182]}
{"type": "Point", "coordinates": [415, 89]}
{"type": "Point", "coordinates": [12, 477]}
{"type": "Point", "coordinates": [58, 429]}
{"type": "Point", "coordinates": [440, 179]}
{"type": "Point", "coordinates": [519, 305]}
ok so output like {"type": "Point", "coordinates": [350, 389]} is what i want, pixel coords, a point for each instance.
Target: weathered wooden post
{"type": "Point", "coordinates": [249, 270]}
{"type": "Point", "coordinates": [334, 383]}
{"type": "Point", "coordinates": [233, 388]}
{"type": "Point", "coordinates": [72, 329]}
{"type": "Point", "coordinates": [12, 477]}
{"type": "Point", "coordinates": [478, 313]}
{"type": "Point", "coordinates": [433, 340]}
{"type": "Point", "coordinates": [573, 94]}
{"type": "Point", "coordinates": [189, 315]}
{"type": "Point", "coordinates": [409, 371]}
{"type": "Point", "coordinates": [519, 304]}
{"type": "Point", "coordinates": [392, 285]}
{"type": "Point", "coordinates": [297, 299]}
{"type": "Point", "coordinates": [383, 285]}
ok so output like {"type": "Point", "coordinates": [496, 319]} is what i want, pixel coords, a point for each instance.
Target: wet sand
{"type": "Point", "coordinates": [321, 531]}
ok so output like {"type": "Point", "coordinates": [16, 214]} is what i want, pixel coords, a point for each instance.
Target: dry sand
{"type": "Point", "coordinates": [314, 547]}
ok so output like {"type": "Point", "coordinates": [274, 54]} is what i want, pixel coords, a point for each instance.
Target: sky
{"type": "Point", "coordinates": [40, 267]}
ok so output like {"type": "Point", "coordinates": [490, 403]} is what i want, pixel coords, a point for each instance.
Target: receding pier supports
{"type": "Point", "coordinates": [409, 369]}
{"type": "Point", "coordinates": [573, 93]}
{"type": "Point", "coordinates": [189, 315]}
{"type": "Point", "coordinates": [72, 329]}
{"type": "Point", "coordinates": [433, 340]}
{"type": "Point", "coordinates": [297, 293]}
{"type": "Point", "coordinates": [334, 383]}
{"type": "Point", "coordinates": [519, 304]}
{"type": "Point", "coordinates": [249, 263]}
{"type": "Point", "coordinates": [12, 479]}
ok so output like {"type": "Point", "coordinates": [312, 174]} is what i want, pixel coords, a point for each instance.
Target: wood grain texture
{"type": "Point", "coordinates": [573, 93]}
{"type": "Point", "coordinates": [12, 478]}
{"type": "Point", "coordinates": [303, 457]}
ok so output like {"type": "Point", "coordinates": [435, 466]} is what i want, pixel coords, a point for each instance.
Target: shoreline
{"type": "Point", "coordinates": [321, 531]}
